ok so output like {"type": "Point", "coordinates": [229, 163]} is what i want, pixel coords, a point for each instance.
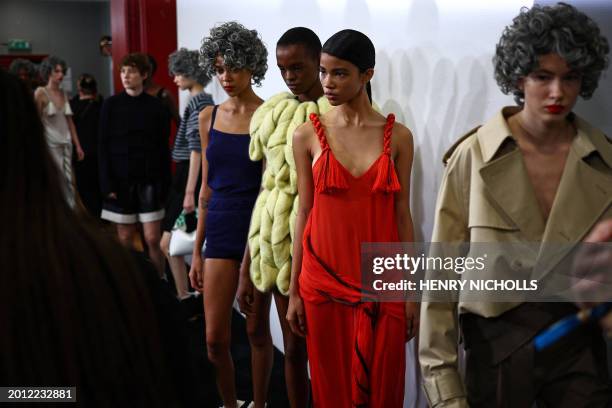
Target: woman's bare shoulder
{"type": "Point", "coordinates": [401, 134]}
{"type": "Point", "coordinates": [205, 113]}
{"type": "Point", "coordinates": [304, 131]}
{"type": "Point", "coordinates": [402, 141]}
{"type": "Point", "coordinates": [39, 93]}
{"type": "Point", "coordinates": [204, 118]}
{"type": "Point", "coordinates": [304, 135]}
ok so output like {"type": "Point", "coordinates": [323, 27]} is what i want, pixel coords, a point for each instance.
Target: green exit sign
{"type": "Point", "coordinates": [19, 45]}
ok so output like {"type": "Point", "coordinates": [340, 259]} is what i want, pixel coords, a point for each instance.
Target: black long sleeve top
{"type": "Point", "coordinates": [133, 141]}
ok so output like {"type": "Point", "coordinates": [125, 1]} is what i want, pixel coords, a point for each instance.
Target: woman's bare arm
{"type": "Point", "coordinates": [195, 164]}
{"type": "Point", "coordinates": [302, 153]}
{"type": "Point", "coordinates": [404, 153]}
{"type": "Point", "coordinates": [195, 274]}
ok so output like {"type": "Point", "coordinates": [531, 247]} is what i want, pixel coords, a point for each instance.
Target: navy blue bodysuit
{"type": "Point", "coordinates": [235, 181]}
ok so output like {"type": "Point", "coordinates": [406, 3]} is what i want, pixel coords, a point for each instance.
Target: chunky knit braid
{"type": "Point", "coordinates": [272, 223]}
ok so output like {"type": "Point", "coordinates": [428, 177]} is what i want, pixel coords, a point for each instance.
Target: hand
{"type": "Point", "coordinates": [602, 232]}
{"type": "Point", "coordinates": [196, 273]}
{"type": "Point", "coordinates": [296, 316]}
{"type": "Point", "coordinates": [189, 203]}
{"type": "Point", "coordinates": [413, 316]}
{"type": "Point", "coordinates": [80, 153]}
{"type": "Point", "coordinates": [591, 268]}
{"type": "Point", "coordinates": [245, 293]}
{"type": "Point", "coordinates": [112, 196]}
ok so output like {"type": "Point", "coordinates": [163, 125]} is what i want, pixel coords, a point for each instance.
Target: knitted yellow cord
{"type": "Point", "coordinates": [273, 220]}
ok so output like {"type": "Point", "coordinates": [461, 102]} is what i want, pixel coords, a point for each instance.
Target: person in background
{"type": "Point", "coordinates": [76, 309]}
{"type": "Point", "coordinates": [54, 108]}
{"type": "Point", "coordinates": [230, 185]}
{"type": "Point", "coordinates": [534, 173]}
{"type": "Point", "coordinates": [86, 107]}
{"type": "Point", "coordinates": [134, 159]}
{"type": "Point", "coordinates": [183, 64]}
{"type": "Point", "coordinates": [106, 46]}
{"type": "Point", "coordinates": [154, 89]}
{"type": "Point", "coordinates": [25, 70]}
{"type": "Point", "coordinates": [165, 97]}
{"type": "Point", "coordinates": [267, 275]}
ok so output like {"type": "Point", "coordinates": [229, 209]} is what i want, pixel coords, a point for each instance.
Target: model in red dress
{"type": "Point", "coordinates": [356, 349]}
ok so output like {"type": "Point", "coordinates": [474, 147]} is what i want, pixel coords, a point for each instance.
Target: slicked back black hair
{"type": "Point", "coordinates": [355, 47]}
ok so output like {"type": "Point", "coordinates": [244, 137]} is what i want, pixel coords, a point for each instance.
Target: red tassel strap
{"type": "Point", "coordinates": [330, 178]}
{"type": "Point", "coordinates": [316, 123]}
{"type": "Point", "coordinates": [386, 179]}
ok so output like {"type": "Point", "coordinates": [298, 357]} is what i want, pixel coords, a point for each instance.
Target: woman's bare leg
{"type": "Point", "coordinates": [296, 358]}
{"type": "Point", "coordinates": [220, 283]}
{"type": "Point", "coordinates": [177, 266]}
{"type": "Point", "coordinates": [152, 236]}
{"type": "Point", "coordinates": [125, 233]}
{"type": "Point", "coordinates": [262, 350]}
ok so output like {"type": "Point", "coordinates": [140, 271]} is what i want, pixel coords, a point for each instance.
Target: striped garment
{"type": "Point", "coordinates": [188, 135]}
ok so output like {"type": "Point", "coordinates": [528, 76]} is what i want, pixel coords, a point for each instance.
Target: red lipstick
{"type": "Point", "coordinates": [555, 109]}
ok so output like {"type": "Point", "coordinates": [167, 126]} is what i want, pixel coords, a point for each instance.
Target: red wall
{"type": "Point", "coordinates": [147, 26]}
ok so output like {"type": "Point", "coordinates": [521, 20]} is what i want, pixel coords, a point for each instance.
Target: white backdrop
{"type": "Point", "coordinates": [433, 70]}
{"type": "Point", "coordinates": [433, 63]}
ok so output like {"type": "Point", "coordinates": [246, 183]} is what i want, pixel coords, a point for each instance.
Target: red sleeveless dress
{"type": "Point", "coordinates": [356, 349]}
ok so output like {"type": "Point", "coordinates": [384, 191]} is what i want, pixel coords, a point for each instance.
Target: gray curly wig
{"type": "Point", "coordinates": [238, 46]}
{"type": "Point", "coordinates": [48, 65]}
{"type": "Point", "coordinates": [186, 63]}
{"type": "Point", "coordinates": [19, 64]}
{"type": "Point", "coordinates": [559, 29]}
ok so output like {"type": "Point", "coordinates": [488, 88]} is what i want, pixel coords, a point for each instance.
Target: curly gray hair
{"type": "Point", "coordinates": [541, 30]}
{"type": "Point", "coordinates": [186, 63]}
{"type": "Point", "coordinates": [48, 65]}
{"type": "Point", "coordinates": [19, 64]}
{"type": "Point", "coordinates": [238, 46]}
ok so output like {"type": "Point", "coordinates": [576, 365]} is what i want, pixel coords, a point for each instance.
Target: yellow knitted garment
{"type": "Point", "coordinates": [273, 220]}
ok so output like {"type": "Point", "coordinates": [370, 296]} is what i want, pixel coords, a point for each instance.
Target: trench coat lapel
{"type": "Point", "coordinates": [583, 196]}
{"type": "Point", "coordinates": [508, 183]}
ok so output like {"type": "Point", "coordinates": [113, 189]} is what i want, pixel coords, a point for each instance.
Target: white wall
{"type": "Point", "coordinates": [433, 67]}
{"type": "Point", "coordinates": [433, 70]}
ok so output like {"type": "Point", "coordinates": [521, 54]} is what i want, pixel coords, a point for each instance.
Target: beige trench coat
{"type": "Point", "coordinates": [486, 196]}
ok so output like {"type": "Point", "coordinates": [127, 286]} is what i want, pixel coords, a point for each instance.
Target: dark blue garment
{"type": "Point", "coordinates": [235, 181]}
